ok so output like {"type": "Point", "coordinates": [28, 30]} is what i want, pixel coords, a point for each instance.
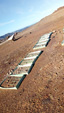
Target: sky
{"type": "Point", "coordinates": [17, 14]}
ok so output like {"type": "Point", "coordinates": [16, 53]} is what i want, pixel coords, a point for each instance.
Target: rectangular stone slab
{"type": "Point", "coordinates": [26, 61]}
{"type": "Point", "coordinates": [25, 65]}
{"type": "Point", "coordinates": [22, 70]}
{"type": "Point", "coordinates": [35, 52]}
{"type": "Point", "coordinates": [41, 43]}
{"type": "Point", "coordinates": [33, 57]}
{"type": "Point", "coordinates": [12, 82]}
{"type": "Point", "coordinates": [42, 40]}
{"type": "Point", "coordinates": [39, 47]}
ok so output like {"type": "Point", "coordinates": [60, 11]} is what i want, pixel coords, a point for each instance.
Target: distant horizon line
{"type": "Point", "coordinates": [17, 30]}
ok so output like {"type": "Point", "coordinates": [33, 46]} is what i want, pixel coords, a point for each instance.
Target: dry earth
{"type": "Point", "coordinates": [42, 91]}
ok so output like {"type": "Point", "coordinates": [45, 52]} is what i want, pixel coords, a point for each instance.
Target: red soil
{"type": "Point", "coordinates": [42, 90]}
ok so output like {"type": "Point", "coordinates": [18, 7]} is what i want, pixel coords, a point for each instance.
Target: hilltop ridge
{"type": "Point", "coordinates": [60, 8]}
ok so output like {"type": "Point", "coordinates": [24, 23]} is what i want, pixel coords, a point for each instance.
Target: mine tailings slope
{"type": "Point", "coordinates": [42, 90]}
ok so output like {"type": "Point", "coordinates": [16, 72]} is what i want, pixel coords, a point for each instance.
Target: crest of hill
{"type": "Point", "coordinates": [61, 8]}
{"type": "Point", "coordinates": [54, 19]}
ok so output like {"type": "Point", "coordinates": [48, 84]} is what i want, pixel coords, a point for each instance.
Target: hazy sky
{"type": "Point", "coordinates": [16, 14]}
